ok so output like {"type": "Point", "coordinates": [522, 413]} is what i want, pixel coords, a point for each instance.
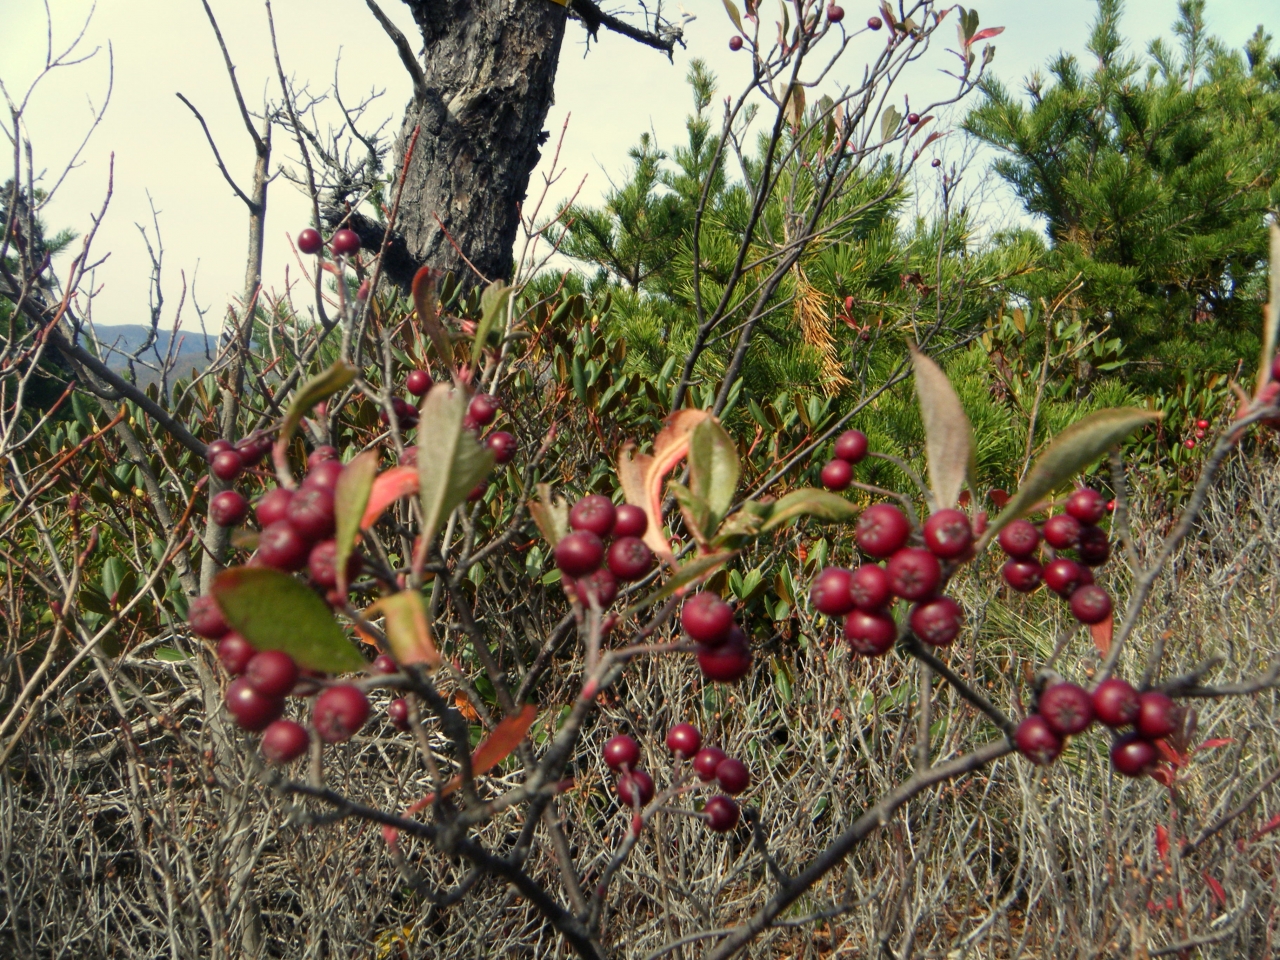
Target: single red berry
{"type": "Point", "coordinates": [733, 775]}
{"type": "Point", "coordinates": [1093, 547]}
{"type": "Point", "coordinates": [385, 664]}
{"type": "Point", "coordinates": [631, 521]}
{"type": "Point", "coordinates": [320, 454]}
{"type": "Point", "coordinates": [947, 534]}
{"type": "Point", "coordinates": [253, 448]}
{"type": "Point", "coordinates": [1199, 434]}
{"type": "Point", "coordinates": [735, 43]}
{"type": "Point", "coordinates": [835, 14]}
{"type": "Point", "coordinates": [874, 23]}
{"type": "Point", "coordinates": [323, 476]}
{"type": "Point", "coordinates": [1061, 531]}
{"type": "Point", "coordinates": [937, 622]}
{"type": "Point", "coordinates": [206, 619]}
{"type": "Point", "coordinates": [851, 446]}
{"type": "Point", "coordinates": [602, 585]}
{"type": "Point", "coordinates": [418, 382]}
{"type": "Point", "coordinates": [1111, 506]}
{"type": "Point", "coordinates": [630, 558]}
{"type": "Point", "coordinates": [579, 554]}
{"type": "Point", "coordinates": [272, 673]}
{"type": "Point", "coordinates": [1157, 715]}
{"type": "Point", "coordinates": [1202, 424]}
{"type": "Point", "coordinates": [252, 710]}
{"type": "Point", "coordinates": [478, 491]}
{"type": "Point", "coordinates": [235, 652]}
{"type": "Point", "coordinates": [339, 712]}
{"type": "Point", "coordinates": [216, 447]}
{"type": "Point", "coordinates": [344, 243]}
{"type": "Point", "coordinates": [1090, 604]}
{"type": "Point", "coordinates": [722, 814]}
{"type": "Point", "coordinates": [836, 475]}
{"type": "Point", "coordinates": [705, 762]}
{"type": "Point", "coordinates": [1115, 703]}
{"type": "Point", "coordinates": [309, 241]}
{"type": "Point", "coordinates": [280, 547]}
{"type": "Point", "coordinates": [829, 593]}
{"type": "Point", "coordinates": [1023, 575]}
{"type": "Point", "coordinates": [503, 445]}
{"type": "Point", "coordinates": [935, 163]}
{"type": "Point", "coordinates": [482, 409]}
{"type": "Point", "coordinates": [1066, 708]}
{"type": "Point", "coordinates": [621, 752]}
{"type": "Point", "coordinates": [1019, 539]}
{"type": "Point", "coordinates": [684, 740]}
{"type": "Point", "coordinates": [707, 618]}
{"type": "Point", "coordinates": [320, 565]}
{"type": "Point", "coordinates": [729, 662]}
{"type": "Point", "coordinates": [1062, 576]}
{"type": "Point", "coordinates": [595, 513]}
{"type": "Point", "coordinates": [226, 465]}
{"type": "Point", "coordinates": [913, 118]}
{"type": "Point", "coordinates": [1190, 444]}
{"type": "Point", "coordinates": [398, 713]}
{"type": "Point", "coordinates": [284, 741]}
{"type": "Point", "coordinates": [635, 788]}
{"type": "Point", "coordinates": [870, 634]}
{"type": "Point", "coordinates": [228, 508]}
{"type": "Point", "coordinates": [1131, 755]}
{"type": "Point", "coordinates": [1087, 506]}
{"type": "Point", "coordinates": [882, 530]}
{"type": "Point", "coordinates": [869, 588]}
{"type": "Point", "coordinates": [914, 573]}
{"type": "Point", "coordinates": [310, 513]}
{"type": "Point", "coordinates": [1036, 741]}
{"type": "Point", "coordinates": [273, 506]}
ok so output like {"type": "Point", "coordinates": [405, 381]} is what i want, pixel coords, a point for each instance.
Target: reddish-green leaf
{"type": "Point", "coordinates": [493, 302]}
{"type": "Point", "coordinates": [407, 628]}
{"type": "Point", "coordinates": [492, 751]}
{"type": "Point", "coordinates": [821, 505]}
{"type": "Point", "coordinates": [389, 487]}
{"type": "Point", "coordinates": [312, 392]}
{"type": "Point", "coordinates": [642, 474]}
{"type": "Point", "coordinates": [948, 435]}
{"type": "Point", "coordinates": [550, 514]}
{"type": "Point", "coordinates": [736, 17]}
{"type": "Point", "coordinates": [428, 307]}
{"type": "Point", "coordinates": [349, 498]}
{"type": "Point", "coordinates": [456, 462]}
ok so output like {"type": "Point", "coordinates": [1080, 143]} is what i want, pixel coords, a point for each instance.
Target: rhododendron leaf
{"type": "Point", "coordinates": [642, 474]}
{"type": "Point", "coordinates": [350, 496]}
{"type": "Point", "coordinates": [948, 436]}
{"type": "Point", "coordinates": [407, 628]}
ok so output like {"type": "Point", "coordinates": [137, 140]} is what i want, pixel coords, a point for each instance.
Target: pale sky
{"type": "Point", "coordinates": [164, 47]}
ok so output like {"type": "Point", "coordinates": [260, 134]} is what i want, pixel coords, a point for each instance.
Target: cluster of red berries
{"type": "Point", "coordinates": [850, 449]}
{"type": "Point", "coordinates": [1074, 529]}
{"type": "Point", "coordinates": [343, 243]}
{"type": "Point", "coordinates": [1201, 427]}
{"type": "Point", "coordinates": [227, 461]}
{"type": "Point", "coordinates": [588, 569]}
{"type": "Point", "coordinates": [1065, 710]}
{"type": "Point", "coordinates": [723, 652]}
{"type": "Point", "coordinates": [710, 764]}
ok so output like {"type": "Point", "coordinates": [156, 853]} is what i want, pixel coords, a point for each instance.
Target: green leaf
{"type": "Point", "coordinates": [492, 302]}
{"type": "Point", "coordinates": [744, 524]}
{"type": "Point", "coordinates": [350, 498]}
{"type": "Point", "coordinates": [696, 510]}
{"type": "Point", "coordinates": [713, 468]}
{"type": "Point", "coordinates": [948, 435]}
{"type": "Point", "coordinates": [795, 105]}
{"type": "Point", "coordinates": [822, 505]}
{"type": "Point", "coordinates": [273, 611]}
{"type": "Point", "coordinates": [407, 628]}
{"type": "Point", "coordinates": [890, 120]}
{"type": "Point", "coordinates": [170, 655]}
{"type": "Point", "coordinates": [688, 573]}
{"type": "Point", "coordinates": [1070, 452]}
{"type": "Point", "coordinates": [457, 460]}
{"type": "Point", "coordinates": [551, 515]}
{"type": "Point", "coordinates": [734, 15]}
{"type": "Point", "coordinates": [309, 394]}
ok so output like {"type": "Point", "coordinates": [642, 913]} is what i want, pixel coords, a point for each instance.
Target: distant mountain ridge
{"type": "Point", "coordinates": [118, 342]}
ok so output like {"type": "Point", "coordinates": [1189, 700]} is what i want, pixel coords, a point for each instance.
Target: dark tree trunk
{"type": "Point", "coordinates": [487, 79]}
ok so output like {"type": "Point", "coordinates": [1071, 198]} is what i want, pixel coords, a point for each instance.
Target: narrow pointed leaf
{"type": "Point", "coordinates": [407, 628]}
{"type": "Point", "coordinates": [456, 462]}
{"type": "Point", "coordinates": [821, 505]}
{"type": "Point", "coordinates": [428, 308]}
{"type": "Point", "coordinates": [495, 748]}
{"type": "Point", "coordinates": [492, 307]}
{"type": "Point", "coordinates": [713, 467]}
{"type": "Point", "coordinates": [309, 394]}
{"type": "Point", "coordinates": [389, 487]}
{"type": "Point", "coordinates": [947, 433]}
{"type": "Point", "coordinates": [987, 34]}
{"type": "Point", "coordinates": [736, 17]}
{"type": "Point", "coordinates": [687, 574]}
{"type": "Point", "coordinates": [355, 483]}
{"type": "Point", "coordinates": [890, 120]}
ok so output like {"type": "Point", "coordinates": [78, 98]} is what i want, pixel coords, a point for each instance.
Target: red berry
{"type": "Point", "coordinates": [284, 741]}
{"type": "Point", "coordinates": [1189, 443]}
{"type": "Point", "coordinates": [837, 475]}
{"type": "Point", "coordinates": [228, 508]}
{"type": "Point", "coordinates": [320, 454]}
{"type": "Point", "coordinates": [503, 445]}
{"type": "Point", "coordinates": [310, 513]}
{"type": "Point", "coordinates": [272, 673]}
{"type": "Point", "coordinates": [1157, 715]}
{"type": "Point", "coordinates": [226, 465]}
{"type": "Point", "coordinates": [937, 622]}
{"type": "Point", "coordinates": [385, 664]}
{"type": "Point", "coordinates": [1066, 708]}
{"type": "Point", "coordinates": [252, 710]}
{"type": "Point", "coordinates": [830, 592]}
{"type": "Point", "coordinates": [882, 530]}
{"type": "Point", "coordinates": [735, 43]}
{"type": "Point", "coordinates": [1275, 367]}
{"type": "Point", "coordinates": [1090, 604]}
{"type": "Point", "coordinates": [631, 521]}
{"type": "Point", "coordinates": [253, 448]}
{"type": "Point", "coordinates": [851, 446]}
{"type": "Point", "coordinates": [339, 712]}
{"type": "Point", "coordinates": [621, 752]}
{"type": "Point", "coordinates": [722, 814]}
{"type": "Point", "coordinates": [309, 241]}
{"type": "Point", "coordinates": [635, 788]}
{"type": "Point", "coordinates": [235, 653]}
{"type": "Point", "coordinates": [398, 713]}
{"type": "Point", "coordinates": [280, 547]}
{"type": "Point", "coordinates": [323, 476]}
{"type": "Point", "coordinates": [216, 447]}
{"type": "Point", "coordinates": [1023, 575]}
{"type": "Point", "coordinates": [1062, 576]}
{"type": "Point", "coordinates": [478, 491]}
{"type": "Point", "coordinates": [914, 573]}
{"type": "Point", "coordinates": [1087, 506]}
{"type": "Point", "coordinates": [482, 409]}
{"type": "Point", "coordinates": [1093, 547]}
{"type": "Point", "coordinates": [835, 14]}
{"type": "Point", "coordinates": [870, 634]}
{"type": "Point", "coordinates": [705, 762]}
{"type": "Point", "coordinates": [913, 118]}
{"type": "Point", "coordinates": [595, 513]}
{"type": "Point", "coordinates": [1115, 703]}
{"type": "Point", "coordinates": [684, 740]}
{"type": "Point", "coordinates": [947, 534]}
{"type": "Point", "coordinates": [1019, 539]}
{"type": "Point", "coordinates": [733, 775]}
{"type": "Point", "coordinates": [579, 554]}
{"type": "Point", "coordinates": [869, 588]}
{"type": "Point", "coordinates": [273, 506]}
{"type": "Point", "coordinates": [206, 619]}
{"type": "Point", "coordinates": [344, 243]}
{"type": "Point", "coordinates": [320, 566]}
{"type": "Point", "coordinates": [1131, 755]}
{"type": "Point", "coordinates": [1111, 506]}
{"type": "Point", "coordinates": [707, 618]}
{"type": "Point", "coordinates": [418, 382]}
{"type": "Point", "coordinates": [602, 585]}
{"type": "Point", "coordinates": [1036, 741]}
{"type": "Point", "coordinates": [1202, 424]}
{"type": "Point", "coordinates": [728, 662]}
{"type": "Point", "coordinates": [935, 162]}
{"type": "Point", "coordinates": [1061, 531]}
{"type": "Point", "coordinates": [630, 558]}
{"type": "Point", "coordinates": [874, 23]}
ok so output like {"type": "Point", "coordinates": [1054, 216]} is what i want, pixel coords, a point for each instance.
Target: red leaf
{"type": "Point", "coordinates": [1162, 842]}
{"type": "Point", "coordinates": [1270, 825]}
{"type": "Point", "coordinates": [986, 34]}
{"type": "Point", "coordinates": [1220, 742]}
{"type": "Point", "coordinates": [492, 751]}
{"type": "Point", "coordinates": [390, 486]}
{"type": "Point", "coordinates": [642, 474]}
{"type": "Point", "coordinates": [1162, 773]}
{"type": "Point", "coordinates": [1102, 635]}
{"type": "Point", "coordinates": [999, 498]}
{"type": "Point", "coordinates": [1218, 893]}
{"type": "Point", "coordinates": [1173, 756]}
